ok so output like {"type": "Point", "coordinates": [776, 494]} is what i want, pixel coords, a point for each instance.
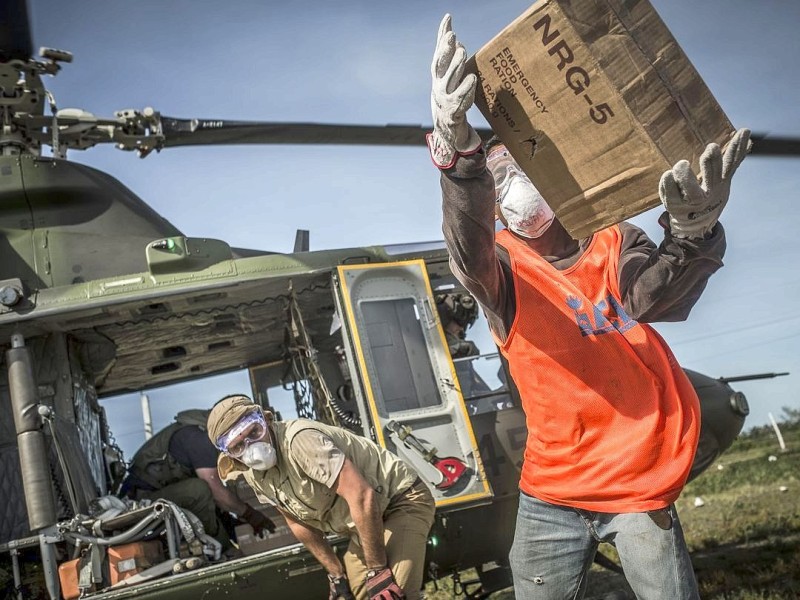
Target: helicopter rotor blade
{"type": "Point", "coordinates": [16, 42]}
{"type": "Point", "coordinates": [191, 132]}
{"type": "Point", "coordinates": [774, 146]}
{"type": "Point", "coordinates": [197, 132]}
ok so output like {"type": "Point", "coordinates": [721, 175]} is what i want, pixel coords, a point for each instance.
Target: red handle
{"type": "Point", "coordinates": [451, 468]}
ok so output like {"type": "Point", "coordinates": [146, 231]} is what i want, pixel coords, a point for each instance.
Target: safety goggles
{"type": "Point", "coordinates": [250, 428]}
{"type": "Point", "coordinates": [503, 167]}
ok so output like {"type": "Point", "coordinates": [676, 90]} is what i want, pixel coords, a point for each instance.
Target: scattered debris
{"type": "Point", "coordinates": [698, 502]}
{"type": "Point", "coordinates": [720, 467]}
{"type": "Point", "coordinates": [783, 488]}
{"type": "Point", "coordinates": [772, 458]}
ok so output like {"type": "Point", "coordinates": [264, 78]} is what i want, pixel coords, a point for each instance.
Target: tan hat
{"type": "Point", "coordinates": [224, 415]}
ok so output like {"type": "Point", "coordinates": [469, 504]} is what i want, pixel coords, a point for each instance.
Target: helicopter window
{"type": "Point", "coordinates": [282, 402]}
{"type": "Point", "coordinates": [400, 355]}
{"type": "Point", "coordinates": [124, 412]}
{"type": "Point", "coordinates": [482, 377]}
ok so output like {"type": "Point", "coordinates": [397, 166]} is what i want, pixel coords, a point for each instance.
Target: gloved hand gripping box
{"type": "Point", "coordinates": [595, 100]}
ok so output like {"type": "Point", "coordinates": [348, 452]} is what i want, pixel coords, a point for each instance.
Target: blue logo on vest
{"type": "Point", "coordinates": [607, 316]}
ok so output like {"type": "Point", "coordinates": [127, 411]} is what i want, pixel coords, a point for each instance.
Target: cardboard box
{"type": "Point", "coordinates": [595, 100]}
{"type": "Point", "coordinates": [250, 544]}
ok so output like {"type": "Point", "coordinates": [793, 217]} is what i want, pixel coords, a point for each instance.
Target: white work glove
{"type": "Point", "coordinates": [451, 96]}
{"type": "Point", "coordinates": [694, 208]}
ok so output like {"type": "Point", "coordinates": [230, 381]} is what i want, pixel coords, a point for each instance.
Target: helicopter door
{"type": "Point", "coordinates": [397, 346]}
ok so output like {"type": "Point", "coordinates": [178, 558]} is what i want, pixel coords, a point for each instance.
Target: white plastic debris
{"type": "Point", "coordinates": [698, 502]}
{"type": "Point", "coordinates": [720, 467]}
{"type": "Point", "coordinates": [772, 458]}
{"type": "Point", "coordinates": [783, 488]}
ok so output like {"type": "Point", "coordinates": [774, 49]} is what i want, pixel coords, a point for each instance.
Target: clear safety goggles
{"type": "Point", "coordinates": [503, 167]}
{"type": "Point", "coordinates": [250, 428]}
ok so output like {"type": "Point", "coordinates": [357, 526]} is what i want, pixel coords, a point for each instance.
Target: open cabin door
{"type": "Point", "coordinates": [408, 388]}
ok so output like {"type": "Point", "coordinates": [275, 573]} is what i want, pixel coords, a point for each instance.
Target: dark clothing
{"type": "Point", "coordinates": [656, 283]}
{"type": "Point", "coordinates": [460, 347]}
{"type": "Point", "coordinates": [190, 447]}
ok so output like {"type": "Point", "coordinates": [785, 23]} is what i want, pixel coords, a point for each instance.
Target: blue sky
{"type": "Point", "coordinates": [368, 62]}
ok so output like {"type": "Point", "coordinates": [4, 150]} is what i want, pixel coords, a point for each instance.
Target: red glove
{"type": "Point", "coordinates": [258, 520]}
{"type": "Point", "coordinates": [382, 586]}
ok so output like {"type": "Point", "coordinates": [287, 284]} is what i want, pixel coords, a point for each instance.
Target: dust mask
{"type": "Point", "coordinates": [259, 456]}
{"type": "Point", "coordinates": [522, 206]}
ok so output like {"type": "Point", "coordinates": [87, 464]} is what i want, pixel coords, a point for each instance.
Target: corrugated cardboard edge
{"type": "Point", "coordinates": [702, 114]}
{"type": "Point", "coordinates": [580, 217]}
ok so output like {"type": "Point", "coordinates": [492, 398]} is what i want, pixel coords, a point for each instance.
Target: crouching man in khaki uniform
{"type": "Point", "coordinates": [324, 480]}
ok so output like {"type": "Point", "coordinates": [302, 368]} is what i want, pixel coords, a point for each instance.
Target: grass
{"type": "Point", "coordinates": [744, 540]}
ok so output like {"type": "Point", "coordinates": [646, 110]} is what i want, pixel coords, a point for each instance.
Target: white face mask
{"type": "Point", "coordinates": [523, 207]}
{"type": "Point", "coordinates": [259, 456]}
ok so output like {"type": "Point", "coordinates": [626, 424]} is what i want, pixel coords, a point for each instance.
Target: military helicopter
{"type": "Point", "coordinates": [102, 295]}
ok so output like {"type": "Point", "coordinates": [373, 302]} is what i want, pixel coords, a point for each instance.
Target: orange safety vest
{"type": "Point", "coordinates": [613, 421]}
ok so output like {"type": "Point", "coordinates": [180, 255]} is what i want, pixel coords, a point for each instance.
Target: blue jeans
{"type": "Point", "coordinates": [554, 546]}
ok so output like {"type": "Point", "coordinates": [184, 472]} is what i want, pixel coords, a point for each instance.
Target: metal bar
{"type": "Point", "coordinates": [172, 543]}
{"type": "Point", "coordinates": [50, 565]}
{"type": "Point", "coordinates": [750, 377]}
{"type": "Point", "coordinates": [34, 464]}
{"type": "Point", "coordinates": [15, 570]}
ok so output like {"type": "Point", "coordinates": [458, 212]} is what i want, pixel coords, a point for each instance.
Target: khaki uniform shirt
{"type": "Point", "coordinates": [310, 457]}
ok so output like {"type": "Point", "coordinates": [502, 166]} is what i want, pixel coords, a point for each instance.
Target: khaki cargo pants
{"type": "Point", "coordinates": [406, 524]}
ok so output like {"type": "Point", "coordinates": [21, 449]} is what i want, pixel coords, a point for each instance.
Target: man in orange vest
{"type": "Point", "coordinates": [613, 422]}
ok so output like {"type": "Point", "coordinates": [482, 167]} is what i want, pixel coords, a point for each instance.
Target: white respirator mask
{"type": "Point", "coordinates": [259, 456]}
{"type": "Point", "coordinates": [521, 204]}
{"type": "Point", "coordinates": [523, 207]}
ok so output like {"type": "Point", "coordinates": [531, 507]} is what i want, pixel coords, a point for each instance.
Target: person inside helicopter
{"type": "Point", "coordinates": [179, 464]}
{"type": "Point", "coordinates": [613, 422]}
{"type": "Point", "coordinates": [458, 312]}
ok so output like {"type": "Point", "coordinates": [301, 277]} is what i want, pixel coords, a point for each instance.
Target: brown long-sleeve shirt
{"type": "Point", "coordinates": [657, 283]}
